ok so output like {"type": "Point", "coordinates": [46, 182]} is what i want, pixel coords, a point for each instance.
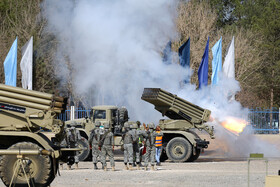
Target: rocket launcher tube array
{"type": "Point", "coordinates": [31, 93]}
{"type": "Point", "coordinates": [173, 104]}
{"type": "Point", "coordinates": [30, 98]}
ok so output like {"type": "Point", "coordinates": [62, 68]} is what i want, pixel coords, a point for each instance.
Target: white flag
{"type": "Point", "coordinates": [228, 67]}
{"type": "Point", "coordinates": [26, 64]}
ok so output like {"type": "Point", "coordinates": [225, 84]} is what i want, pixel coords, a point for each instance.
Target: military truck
{"type": "Point", "coordinates": [116, 116]}
{"type": "Point", "coordinates": [30, 136]}
{"type": "Point", "coordinates": [180, 142]}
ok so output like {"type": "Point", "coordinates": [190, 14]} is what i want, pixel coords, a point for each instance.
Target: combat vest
{"type": "Point", "coordinates": [158, 142]}
{"type": "Point", "coordinates": [128, 137]}
{"type": "Point", "coordinates": [109, 138]}
{"type": "Point", "coordinates": [96, 136]}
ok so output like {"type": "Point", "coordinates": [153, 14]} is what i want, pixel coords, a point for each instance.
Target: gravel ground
{"type": "Point", "coordinates": [211, 169]}
{"type": "Point", "coordinates": [204, 172]}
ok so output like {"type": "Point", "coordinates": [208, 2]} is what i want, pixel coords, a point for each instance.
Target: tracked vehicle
{"type": "Point", "coordinates": [30, 136]}
{"type": "Point", "coordinates": [180, 142]}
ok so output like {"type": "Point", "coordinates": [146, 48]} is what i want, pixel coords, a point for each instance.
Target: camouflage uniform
{"type": "Point", "coordinates": [128, 139]}
{"type": "Point", "coordinates": [72, 137]}
{"type": "Point", "coordinates": [94, 140]}
{"type": "Point", "coordinates": [136, 134]}
{"type": "Point", "coordinates": [107, 143]}
{"type": "Point", "coordinates": [149, 138]}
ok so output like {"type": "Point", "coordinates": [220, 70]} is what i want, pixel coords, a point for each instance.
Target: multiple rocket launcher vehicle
{"type": "Point", "coordinates": [180, 142]}
{"type": "Point", "coordinates": [28, 127]}
{"type": "Point", "coordinates": [30, 132]}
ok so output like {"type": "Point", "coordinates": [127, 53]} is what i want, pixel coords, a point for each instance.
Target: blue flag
{"type": "Point", "coordinates": [184, 53]}
{"type": "Point", "coordinates": [217, 61]}
{"type": "Point", "coordinates": [10, 66]}
{"type": "Point", "coordinates": [203, 68]}
{"type": "Point", "coordinates": [167, 53]}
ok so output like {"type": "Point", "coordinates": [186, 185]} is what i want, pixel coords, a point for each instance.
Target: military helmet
{"type": "Point", "coordinates": [134, 126]}
{"type": "Point", "coordinates": [106, 125]}
{"type": "Point", "coordinates": [73, 124]}
{"type": "Point", "coordinates": [98, 124]}
{"type": "Point", "coordinates": [126, 125]}
{"type": "Point", "coordinates": [151, 125]}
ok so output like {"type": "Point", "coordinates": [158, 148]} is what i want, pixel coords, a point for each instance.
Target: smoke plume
{"type": "Point", "coordinates": [114, 51]}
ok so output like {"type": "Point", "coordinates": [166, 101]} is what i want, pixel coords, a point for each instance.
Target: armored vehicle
{"type": "Point", "coordinates": [30, 136]}
{"type": "Point", "coordinates": [180, 142]}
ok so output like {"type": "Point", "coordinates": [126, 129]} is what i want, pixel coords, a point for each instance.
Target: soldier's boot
{"type": "Point", "coordinates": [153, 168]}
{"type": "Point", "coordinates": [125, 167]}
{"type": "Point", "coordinates": [130, 167]}
{"type": "Point", "coordinates": [69, 167]}
{"type": "Point", "coordinates": [105, 168]}
{"type": "Point", "coordinates": [145, 168]}
{"type": "Point", "coordinates": [102, 166]}
{"type": "Point", "coordinates": [95, 166]}
{"type": "Point", "coordinates": [113, 168]}
{"type": "Point", "coordinates": [76, 165]}
{"type": "Point", "coordinates": [138, 167]}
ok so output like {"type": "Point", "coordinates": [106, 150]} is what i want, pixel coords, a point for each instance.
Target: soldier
{"type": "Point", "coordinates": [136, 135]}
{"type": "Point", "coordinates": [93, 141]}
{"type": "Point", "coordinates": [149, 141]}
{"type": "Point", "coordinates": [107, 146]}
{"type": "Point", "coordinates": [72, 137]}
{"type": "Point", "coordinates": [127, 145]}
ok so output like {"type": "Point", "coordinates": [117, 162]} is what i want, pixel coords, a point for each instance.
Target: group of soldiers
{"type": "Point", "coordinates": [133, 138]}
{"type": "Point", "coordinates": [102, 142]}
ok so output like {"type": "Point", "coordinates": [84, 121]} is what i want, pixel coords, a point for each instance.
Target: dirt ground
{"type": "Point", "coordinates": [208, 170]}
{"type": "Point", "coordinates": [204, 172]}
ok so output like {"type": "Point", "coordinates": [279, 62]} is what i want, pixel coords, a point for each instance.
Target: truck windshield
{"type": "Point", "coordinates": [99, 114]}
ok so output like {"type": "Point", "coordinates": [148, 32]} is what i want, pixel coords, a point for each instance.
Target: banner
{"type": "Point", "coordinates": [184, 54]}
{"type": "Point", "coordinates": [228, 67]}
{"type": "Point", "coordinates": [10, 66]}
{"type": "Point", "coordinates": [216, 62]}
{"type": "Point", "coordinates": [203, 68]}
{"type": "Point", "coordinates": [26, 64]}
{"type": "Point", "coordinates": [167, 57]}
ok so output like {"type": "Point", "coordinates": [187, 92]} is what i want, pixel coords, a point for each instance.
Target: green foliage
{"type": "Point", "coordinates": [262, 16]}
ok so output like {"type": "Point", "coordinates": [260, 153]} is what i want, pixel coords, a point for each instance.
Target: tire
{"type": "Point", "coordinates": [194, 157]}
{"type": "Point", "coordinates": [83, 143]}
{"type": "Point", "coordinates": [179, 149]}
{"type": "Point", "coordinates": [40, 167]}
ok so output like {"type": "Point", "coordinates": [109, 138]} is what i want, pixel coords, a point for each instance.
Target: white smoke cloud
{"type": "Point", "coordinates": [115, 49]}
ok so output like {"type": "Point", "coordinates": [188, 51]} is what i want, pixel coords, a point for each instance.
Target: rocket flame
{"type": "Point", "coordinates": [234, 125]}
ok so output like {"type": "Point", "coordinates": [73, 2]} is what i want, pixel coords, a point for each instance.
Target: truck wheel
{"type": "Point", "coordinates": [194, 157]}
{"type": "Point", "coordinates": [83, 144]}
{"type": "Point", "coordinates": [179, 149]}
{"type": "Point", "coordinates": [37, 167]}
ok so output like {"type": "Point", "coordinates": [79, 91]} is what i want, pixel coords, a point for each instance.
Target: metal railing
{"type": "Point", "coordinates": [79, 113]}
{"type": "Point", "coordinates": [263, 121]}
